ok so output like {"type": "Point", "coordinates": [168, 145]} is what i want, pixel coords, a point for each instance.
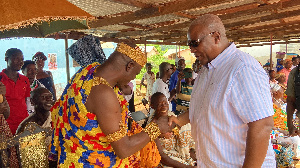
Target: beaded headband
{"type": "Point", "coordinates": [134, 53]}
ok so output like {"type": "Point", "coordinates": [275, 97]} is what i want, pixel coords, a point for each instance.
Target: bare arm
{"type": "Point", "coordinates": [172, 95]}
{"type": "Point", "coordinates": [103, 102]}
{"type": "Point", "coordinates": [257, 142]}
{"type": "Point", "coordinates": [142, 82]}
{"type": "Point", "coordinates": [184, 119]}
{"type": "Point", "coordinates": [166, 160]}
{"type": "Point", "coordinates": [180, 120]}
{"type": "Point", "coordinates": [290, 109]}
{"type": "Point", "coordinates": [178, 85]}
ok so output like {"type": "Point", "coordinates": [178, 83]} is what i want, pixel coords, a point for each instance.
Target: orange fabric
{"type": "Point", "coordinates": [26, 12]}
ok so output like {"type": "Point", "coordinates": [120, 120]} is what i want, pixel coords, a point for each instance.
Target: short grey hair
{"type": "Point", "coordinates": [212, 22]}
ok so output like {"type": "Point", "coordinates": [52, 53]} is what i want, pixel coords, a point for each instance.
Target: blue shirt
{"type": "Point", "coordinates": [172, 85]}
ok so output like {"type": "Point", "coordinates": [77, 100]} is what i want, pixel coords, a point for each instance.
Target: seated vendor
{"type": "Point", "coordinates": [42, 100]}
{"type": "Point", "coordinates": [282, 144]}
{"type": "Point", "coordinates": [175, 147]}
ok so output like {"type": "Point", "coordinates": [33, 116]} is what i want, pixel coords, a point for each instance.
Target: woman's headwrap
{"type": "Point", "coordinates": [275, 87]}
{"type": "Point", "coordinates": [39, 56]}
{"type": "Point", "coordinates": [87, 50]}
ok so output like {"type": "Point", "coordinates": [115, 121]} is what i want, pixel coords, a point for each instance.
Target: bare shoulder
{"type": "Point", "coordinates": [49, 73]}
{"type": "Point", "coordinates": [103, 102]}
{"type": "Point", "coordinates": [100, 95]}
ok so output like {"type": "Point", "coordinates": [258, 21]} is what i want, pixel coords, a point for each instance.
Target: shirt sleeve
{"type": "Point", "coordinates": [173, 81]}
{"type": "Point", "coordinates": [154, 88]}
{"type": "Point", "coordinates": [290, 91]}
{"type": "Point", "coordinates": [250, 94]}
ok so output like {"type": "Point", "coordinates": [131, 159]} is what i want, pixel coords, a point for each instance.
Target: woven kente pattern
{"type": "Point", "coordinates": [77, 139]}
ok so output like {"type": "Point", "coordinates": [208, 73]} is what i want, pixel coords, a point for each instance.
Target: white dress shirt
{"type": "Point", "coordinates": [160, 86]}
{"type": "Point", "coordinates": [232, 91]}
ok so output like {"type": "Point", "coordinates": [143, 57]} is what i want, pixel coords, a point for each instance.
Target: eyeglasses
{"type": "Point", "coordinates": [196, 43]}
{"type": "Point", "coordinates": [169, 69]}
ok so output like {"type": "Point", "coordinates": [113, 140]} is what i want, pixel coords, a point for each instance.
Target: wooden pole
{"type": "Point", "coordinates": [179, 52]}
{"type": "Point", "coordinates": [176, 56]}
{"type": "Point", "coordinates": [67, 58]}
{"type": "Point", "coordinates": [145, 50]}
{"type": "Point", "coordinates": [271, 65]}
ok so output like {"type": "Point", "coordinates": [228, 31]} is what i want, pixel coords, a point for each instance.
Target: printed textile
{"type": "Point", "coordinates": [183, 98]}
{"type": "Point", "coordinates": [77, 138]}
{"type": "Point", "coordinates": [178, 146]}
{"type": "Point", "coordinates": [87, 50]}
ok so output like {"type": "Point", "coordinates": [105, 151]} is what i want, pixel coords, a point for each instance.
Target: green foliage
{"type": "Point", "coordinates": [155, 60]}
{"type": "Point", "coordinates": [167, 47]}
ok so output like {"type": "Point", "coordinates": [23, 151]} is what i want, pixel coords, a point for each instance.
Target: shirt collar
{"type": "Point", "coordinates": [3, 74]}
{"type": "Point", "coordinates": [222, 57]}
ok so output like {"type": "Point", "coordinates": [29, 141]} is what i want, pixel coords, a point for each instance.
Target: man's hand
{"type": "Point", "coordinates": [167, 135]}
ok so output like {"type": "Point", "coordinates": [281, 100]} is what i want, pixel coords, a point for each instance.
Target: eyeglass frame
{"type": "Point", "coordinates": [196, 43]}
{"type": "Point", "coordinates": [170, 68]}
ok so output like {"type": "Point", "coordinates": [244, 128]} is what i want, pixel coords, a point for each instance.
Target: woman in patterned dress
{"type": "Point", "coordinates": [174, 148]}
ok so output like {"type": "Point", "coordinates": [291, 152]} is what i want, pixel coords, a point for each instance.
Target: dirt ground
{"type": "Point", "coordinates": [138, 96]}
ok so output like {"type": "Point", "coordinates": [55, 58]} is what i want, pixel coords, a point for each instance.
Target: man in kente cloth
{"type": "Point", "coordinates": [90, 120]}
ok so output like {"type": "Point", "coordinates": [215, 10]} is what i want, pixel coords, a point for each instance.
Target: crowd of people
{"type": "Point", "coordinates": [282, 143]}
{"type": "Point", "coordinates": [221, 113]}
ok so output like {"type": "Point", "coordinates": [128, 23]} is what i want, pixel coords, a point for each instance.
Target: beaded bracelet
{"type": "Point", "coordinates": [152, 130]}
{"type": "Point", "coordinates": [118, 134]}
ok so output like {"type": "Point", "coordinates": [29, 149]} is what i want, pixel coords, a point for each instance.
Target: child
{"type": "Point", "coordinates": [184, 90]}
{"type": "Point", "coordinates": [150, 78]}
{"type": "Point", "coordinates": [174, 148]}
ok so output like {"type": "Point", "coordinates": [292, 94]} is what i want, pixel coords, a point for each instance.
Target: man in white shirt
{"type": "Point", "coordinates": [231, 107]}
{"type": "Point", "coordinates": [160, 85]}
